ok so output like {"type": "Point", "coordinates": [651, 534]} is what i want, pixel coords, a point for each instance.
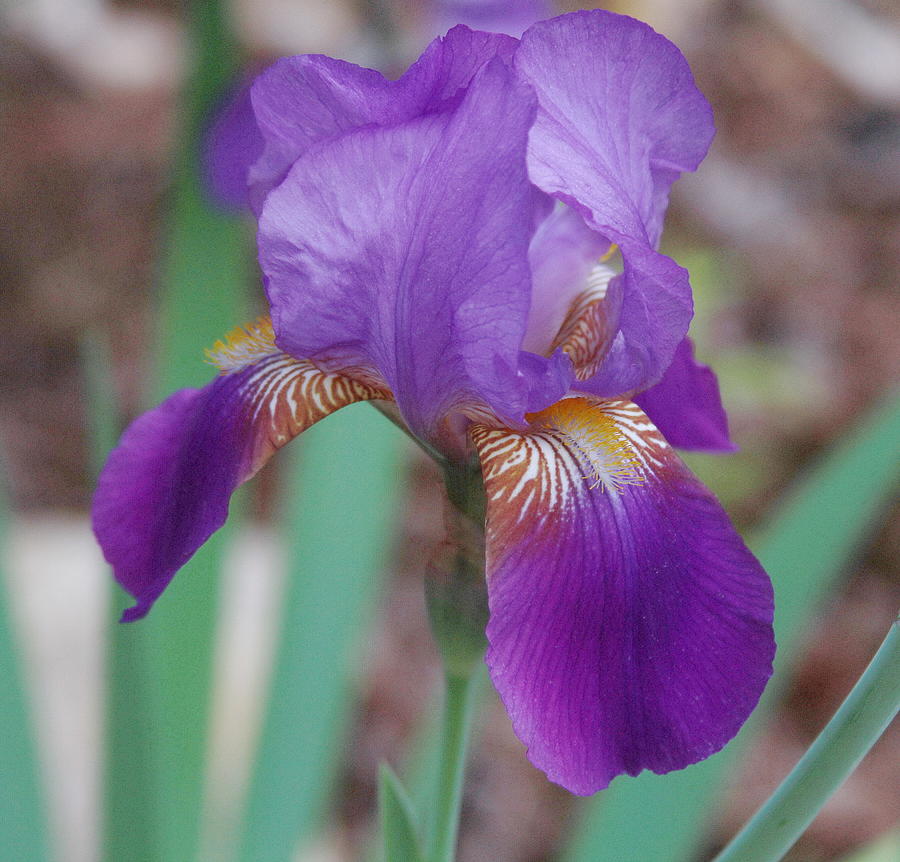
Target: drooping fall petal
{"type": "Point", "coordinates": [630, 627]}
{"type": "Point", "coordinates": [686, 406]}
{"type": "Point", "coordinates": [165, 488]}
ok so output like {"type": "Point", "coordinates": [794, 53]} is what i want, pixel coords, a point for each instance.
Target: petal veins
{"type": "Point", "coordinates": [630, 627]}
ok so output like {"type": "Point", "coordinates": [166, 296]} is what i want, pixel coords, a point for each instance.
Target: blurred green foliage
{"type": "Point", "coordinates": [23, 820]}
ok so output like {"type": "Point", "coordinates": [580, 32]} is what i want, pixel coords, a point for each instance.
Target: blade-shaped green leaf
{"type": "Point", "coordinates": [101, 410]}
{"type": "Point", "coordinates": [883, 849]}
{"type": "Point", "coordinates": [399, 834]}
{"type": "Point", "coordinates": [343, 502]}
{"type": "Point", "coordinates": [808, 544]}
{"type": "Point", "coordinates": [23, 822]}
{"type": "Point", "coordinates": [130, 824]}
{"type": "Point", "coordinates": [847, 738]}
{"type": "Point", "coordinates": [127, 822]}
{"type": "Point", "coordinates": [160, 668]}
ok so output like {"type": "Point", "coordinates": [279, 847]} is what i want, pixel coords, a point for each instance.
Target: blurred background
{"type": "Point", "coordinates": [791, 231]}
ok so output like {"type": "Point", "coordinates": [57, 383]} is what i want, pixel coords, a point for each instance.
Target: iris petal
{"type": "Point", "coordinates": [656, 310]}
{"type": "Point", "coordinates": [420, 271]}
{"type": "Point", "coordinates": [686, 406]}
{"type": "Point", "coordinates": [304, 100]}
{"type": "Point", "coordinates": [562, 254]}
{"type": "Point", "coordinates": [617, 122]}
{"type": "Point", "coordinates": [589, 327]}
{"type": "Point", "coordinates": [232, 144]}
{"type": "Point", "coordinates": [165, 488]}
{"type": "Point", "coordinates": [630, 627]}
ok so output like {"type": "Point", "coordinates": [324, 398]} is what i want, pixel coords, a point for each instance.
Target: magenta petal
{"type": "Point", "coordinates": [405, 249]}
{"type": "Point", "coordinates": [630, 627]}
{"type": "Point", "coordinates": [166, 486]}
{"type": "Point", "coordinates": [686, 406]}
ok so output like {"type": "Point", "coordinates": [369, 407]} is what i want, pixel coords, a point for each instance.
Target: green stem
{"type": "Point", "coordinates": [856, 726]}
{"type": "Point", "coordinates": [457, 723]}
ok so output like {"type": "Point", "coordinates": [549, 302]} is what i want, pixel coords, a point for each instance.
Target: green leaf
{"type": "Point", "coordinates": [807, 546]}
{"type": "Point", "coordinates": [23, 824]}
{"type": "Point", "coordinates": [128, 827]}
{"type": "Point", "coordinates": [461, 697]}
{"type": "Point", "coordinates": [102, 413]}
{"type": "Point", "coordinates": [399, 833]}
{"type": "Point", "coordinates": [160, 668]}
{"type": "Point", "coordinates": [862, 718]}
{"type": "Point", "coordinates": [131, 771]}
{"type": "Point", "coordinates": [343, 505]}
{"type": "Point", "coordinates": [884, 849]}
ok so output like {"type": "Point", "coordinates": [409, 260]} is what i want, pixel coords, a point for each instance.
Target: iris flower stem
{"type": "Point", "coordinates": [457, 723]}
{"type": "Point", "coordinates": [854, 729]}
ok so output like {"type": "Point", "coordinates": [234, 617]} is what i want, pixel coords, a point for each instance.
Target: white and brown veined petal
{"type": "Point", "coordinates": [685, 404]}
{"type": "Point", "coordinates": [166, 486]}
{"type": "Point", "coordinates": [630, 628]}
{"type": "Point", "coordinates": [591, 321]}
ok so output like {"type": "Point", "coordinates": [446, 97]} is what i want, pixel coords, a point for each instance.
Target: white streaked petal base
{"type": "Point", "coordinates": [630, 628]}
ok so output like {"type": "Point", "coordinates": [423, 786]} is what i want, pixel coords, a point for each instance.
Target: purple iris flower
{"type": "Point", "coordinates": [475, 244]}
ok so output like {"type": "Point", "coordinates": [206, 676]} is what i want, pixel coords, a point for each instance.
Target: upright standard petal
{"type": "Point", "coordinates": [630, 627]}
{"type": "Point", "coordinates": [617, 122]}
{"type": "Point", "coordinates": [232, 144]}
{"type": "Point", "coordinates": [686, 406]}
{"type": "Point", "coordinates": [448, 65]}
{"type": "Point", "coordinates": [299, 101]}
{"type": "Point", "coordinates": [420, 271]}
{"type": "Point", "coordinates": [563, 252]}
{"type": "Point", "coordinates": [304, 100]}
{"type": "Point", "coordinates": [165, 488]}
